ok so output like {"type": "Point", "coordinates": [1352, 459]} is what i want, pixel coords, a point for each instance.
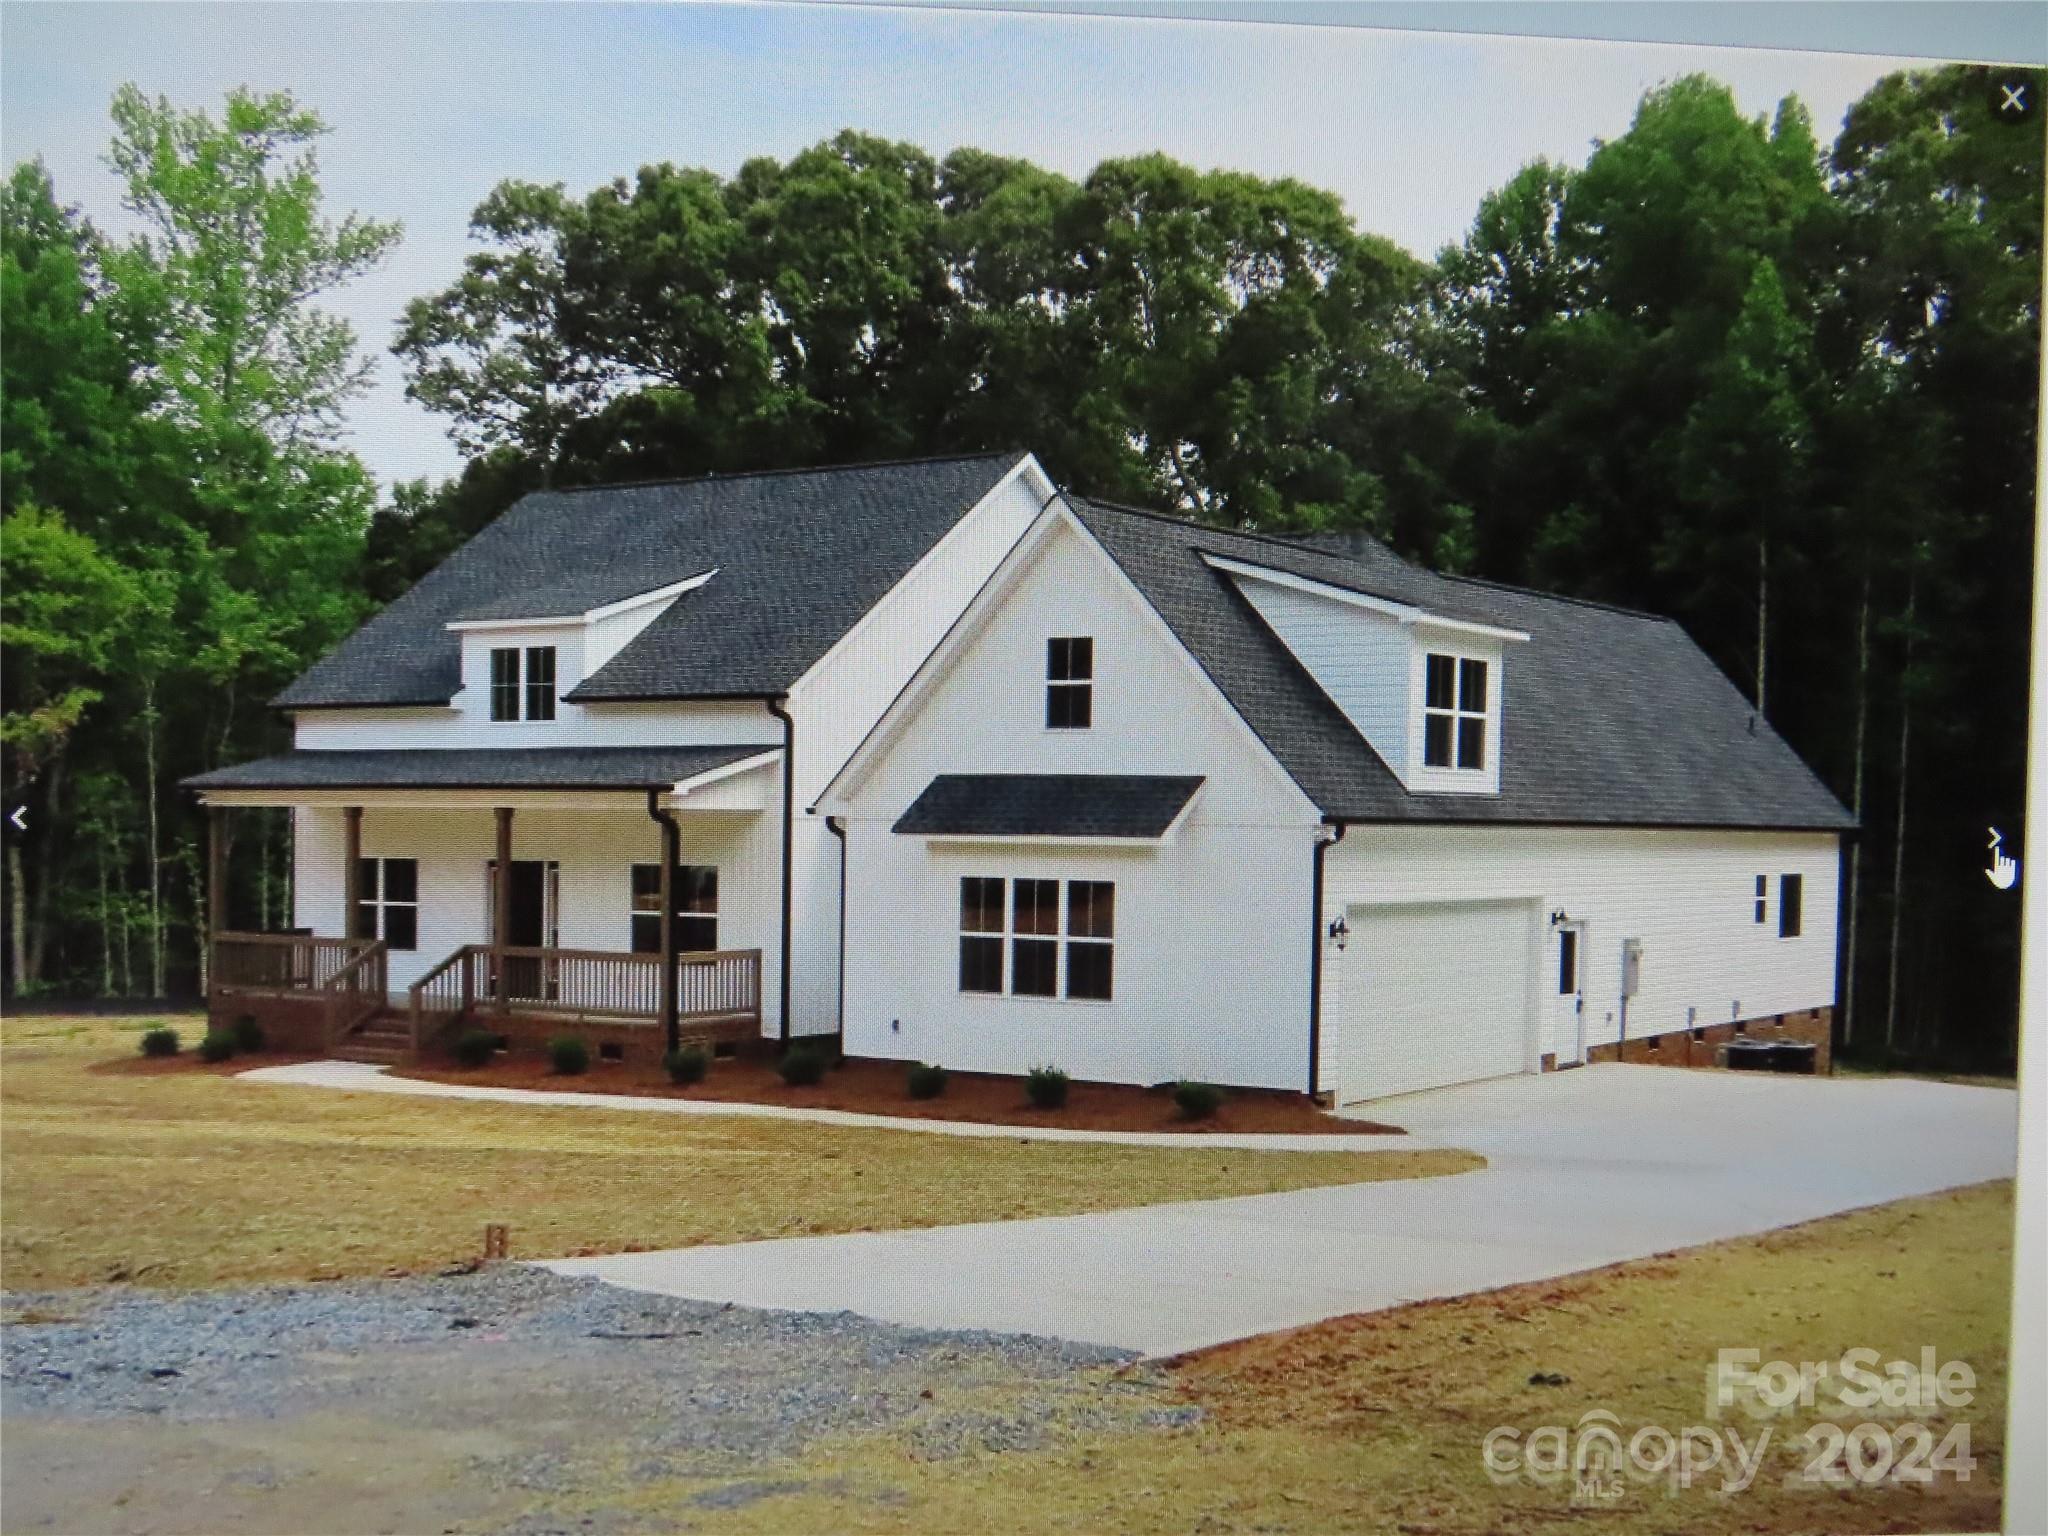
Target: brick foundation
{"type": "Point", "coordinates": [1702, 1047]}
{"type": "Point", "coordinates": [294, 1025]}
{"type": "Point", "coordinates": [636, 1044]}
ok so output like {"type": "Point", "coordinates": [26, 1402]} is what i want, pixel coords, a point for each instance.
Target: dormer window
{"type": "Point", "coordinates": [1070, 683]}
{"type": "Point", "coordinates": [536, 694]}
{"type": "Point", "coordinates": [1454, 712]}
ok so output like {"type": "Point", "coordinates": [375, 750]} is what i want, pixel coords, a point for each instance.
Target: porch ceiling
{"type": "Point", "coordinates": [460, 775]}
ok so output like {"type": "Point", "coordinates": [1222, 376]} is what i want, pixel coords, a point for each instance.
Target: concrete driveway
{"type": "Point", "coordinates": [1586, 1168]}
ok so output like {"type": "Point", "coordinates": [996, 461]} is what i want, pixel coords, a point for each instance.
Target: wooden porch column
{"type": "Point", "coordinates": [501, 916]}
{"type": "Point", "coordinates": [216, 888]}
{"type": "Point", "coordinates": [351, 872]}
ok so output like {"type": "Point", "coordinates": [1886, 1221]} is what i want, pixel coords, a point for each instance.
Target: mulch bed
{"type": "Point", "coordinates": [877, 1088]}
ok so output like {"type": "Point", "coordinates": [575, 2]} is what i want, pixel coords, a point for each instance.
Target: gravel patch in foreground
{"type": "Point", "coordinates": [559, 1385]}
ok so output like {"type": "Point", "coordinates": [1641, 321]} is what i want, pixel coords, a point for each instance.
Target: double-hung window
{"type": "Point", "coordinates": [1070, 683]}
{"type": "Point", "coordinates": [1453, 711]}
{"type": "Point", "coordinates": [1038, 938]}
{"type": "Point", "coordinates": [695, 897]}
{"type": "Point", "coordinates": [388, 902]}
{"type": "Point", "coordinates": [532, 700]}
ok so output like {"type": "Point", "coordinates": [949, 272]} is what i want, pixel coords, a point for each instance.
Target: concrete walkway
{"type": "Point", "coordinates": [361, 1077]}
{"type": "Point", "coordinates": [1586, 1168]}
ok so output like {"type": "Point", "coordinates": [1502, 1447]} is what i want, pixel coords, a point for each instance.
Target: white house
{"type": "Point", "coordinates": [968, 771]}
{"type": "Point", "coordinates": [1170, 802]}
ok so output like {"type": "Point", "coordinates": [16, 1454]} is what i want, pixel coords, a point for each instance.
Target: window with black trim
{"type": "Point", "coordinates": [1091, 930]}
{"type": "Point", "coordinates": [1567, 961]}
{"type": "Point", "coordinates": [530, 698]}
{"type": "Point", "coordinates": [505, 682]}
{"type": "Point", "coordinates": [1763, 885]}
{"type": "Point", "coordinates": [1013, 939]}
{"type": "Point", "coordinates": [1791, 891]}
{"type": "Point", "coordinates": [981, 934]}
{"type": "Point", "coordinates": [695, 899]}
{"type": "Point", "coordinates": [388, 902]}
{"type": "Point", "coordinates": [1070, 683]}
{"type": "Point", "coordinates": [1453, 711]}
{"type": "Point", "coordinates": [1035, 938]}
{"type": "Point", "coordinates": [540, 682]}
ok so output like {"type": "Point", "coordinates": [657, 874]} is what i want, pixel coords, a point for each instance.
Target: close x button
{"type": "Point", "coordinates": [2016, 99]}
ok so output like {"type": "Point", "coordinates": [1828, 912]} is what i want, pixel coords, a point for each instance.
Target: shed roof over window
{"type": "Point", "coordinates": [1084, 805]}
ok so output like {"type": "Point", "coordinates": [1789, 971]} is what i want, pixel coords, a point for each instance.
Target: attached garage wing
{"type": "Point", "coordinates": [1431, 996]}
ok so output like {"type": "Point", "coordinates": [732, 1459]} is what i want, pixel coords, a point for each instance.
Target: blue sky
{"type": "Point", "coordinates": [433, 104]}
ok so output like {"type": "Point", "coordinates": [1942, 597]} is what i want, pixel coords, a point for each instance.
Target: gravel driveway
{"type": "Point", "coordinates": [509, 1400]}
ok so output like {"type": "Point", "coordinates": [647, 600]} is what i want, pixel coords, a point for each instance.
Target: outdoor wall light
{"type": "Point", "coordinates": [1558, 918]}
{"type": "Point", "coordinates": [1340, 930]}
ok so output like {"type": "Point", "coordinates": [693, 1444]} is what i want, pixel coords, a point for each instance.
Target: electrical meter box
{"type": "Point", "coordinates": [1631, 966]}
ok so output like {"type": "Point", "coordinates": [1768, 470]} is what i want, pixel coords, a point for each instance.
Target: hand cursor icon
{"type": "Point", "coordinates": [2004, 867]}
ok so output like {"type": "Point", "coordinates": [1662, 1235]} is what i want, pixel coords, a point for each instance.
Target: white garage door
{"type": "Point", "coordinates": [1433, 995]}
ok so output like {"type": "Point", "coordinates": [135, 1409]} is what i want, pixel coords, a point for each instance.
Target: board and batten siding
{"type": "Point", "coordinates": [1212, 929]}
{"type": "Point", "coordinates": [595, 851]}
{"type": "Point", "coordinates": [1688, 896]}
{"type": "Point", "coordinates": [839, 700]}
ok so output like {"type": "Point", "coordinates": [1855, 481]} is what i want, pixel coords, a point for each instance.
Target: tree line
{"type": "Point", "coordinates": [1783, 391]}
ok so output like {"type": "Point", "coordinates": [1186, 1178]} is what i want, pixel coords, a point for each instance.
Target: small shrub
{"type": "Point", "coordinates": [248, 1035]}
{"type": "Point", "coordinates": [1197, 1101]}
{"type": "Point", "coordinates": [571, 1057]}
{"type": "Point", "coordinates": [218, 1045]}
{"type": "Point", "coordinates": [802, 1066]}
{"type": "Point", "coordinates": [926, 1082]}
{"type": "Point", "coordinates": [1046, 1087]}
{"type": "Point", "coordinates": [687, 1065]}
{"type": "Point", "coordinates": [160, 1041]}
{"type": "Point", "coordinates": [474, 1047]}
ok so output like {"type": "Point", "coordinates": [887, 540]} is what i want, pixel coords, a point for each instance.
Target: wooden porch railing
{"type": "Point", "coordinates": [598, 985]}
{"type": "Point", "coordinates": [280, 962]}
{"type": "Point", "coordinates": [355, 992]}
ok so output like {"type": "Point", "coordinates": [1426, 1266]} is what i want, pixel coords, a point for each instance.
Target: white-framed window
{"type": "Point", "coordinates": [1070, 683]}
{"type": "Point", "coordinates": [694, 890]}
{"type": "Point", "coordinates": [1453, 711]}
{"type": "Point", "coordinates": [1032, 937]}
{"type": "Point", "coordinates": [523, 692]}
{"type": "Point", "coordinates": [388, 902]}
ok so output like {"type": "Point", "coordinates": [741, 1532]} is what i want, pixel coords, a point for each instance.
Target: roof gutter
{"type": "Point", "coordinates": [1315, 952]}
{"type": "Point", "coordinates": [778, 706]}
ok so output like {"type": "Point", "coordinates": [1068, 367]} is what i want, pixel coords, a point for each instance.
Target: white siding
{"type": "Point", "coordinates": [596, 851]}
{"type": "Point", "coordinates": [1362, 660]}
{"type": "Point", "coordinates": [1687, 896]}
{"type": "Point", "coordinates": [838, 701]}
{"type": "Point", "coordinates": [1212, 929]}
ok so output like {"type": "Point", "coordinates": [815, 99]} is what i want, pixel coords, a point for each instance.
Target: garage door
{"type": "Point", "coordinates": [1433, 995]}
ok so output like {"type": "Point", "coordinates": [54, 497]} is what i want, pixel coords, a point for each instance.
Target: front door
{"type": "Point", "coordinates": [1568, 975]}
{"type": "Point", "coordinates": [531, 924]}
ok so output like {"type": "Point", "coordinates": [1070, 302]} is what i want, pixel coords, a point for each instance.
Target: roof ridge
{"type": "Point", "coordinates": [1287, 542]}
{"type": "Point", "coordinates": [790, 469]}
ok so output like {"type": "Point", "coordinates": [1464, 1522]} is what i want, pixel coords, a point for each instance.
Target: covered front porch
{"type": "Point", "coordinates": [422, 909]}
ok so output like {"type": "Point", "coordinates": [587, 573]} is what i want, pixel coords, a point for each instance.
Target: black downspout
{"type": "Point", "coordinates": [838, 829]}
{"type": "Point", "coordinates": [1315, 956]}
{"type": "Point", "coordinates": [671, 856]}
{"type": "Point", "coordinates": [777, 707]}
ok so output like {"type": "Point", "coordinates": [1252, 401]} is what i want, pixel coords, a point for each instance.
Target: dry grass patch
{"type": "Point", "coordinates": [1375, 1423]}
{"type": "Point", "coordinates": [188, 1178]}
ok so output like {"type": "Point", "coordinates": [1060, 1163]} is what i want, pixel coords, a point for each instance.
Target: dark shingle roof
{"type": "Point", "coordinates": [1609, 717]}
{"type": "Point", "coordinates": [1048, 805]}
{"type": "Point", "coordinates": [481, 768]}
{"type": "Point", "coordinates": [800, 555]}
